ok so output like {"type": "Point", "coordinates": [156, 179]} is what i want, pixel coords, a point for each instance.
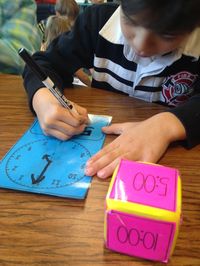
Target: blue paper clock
{"type": "Point", "coordinates": [41, 164]}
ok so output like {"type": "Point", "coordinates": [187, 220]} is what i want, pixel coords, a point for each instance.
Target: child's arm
{"type": "Point", "coordinates": [139, 141]}
{"type": "Point", "coordinates": [64, 56]}
{"type": "Point", "coordinates": [55, 120]}
{"type": "Point", "coordinates": [83, 77]}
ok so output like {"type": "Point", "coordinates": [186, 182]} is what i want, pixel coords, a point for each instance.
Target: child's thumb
{"type": "Point", "coordinates": [113, 129]}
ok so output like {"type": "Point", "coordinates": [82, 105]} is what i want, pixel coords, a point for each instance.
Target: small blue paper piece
{"type": "Point", "coordinates": [45, 165]}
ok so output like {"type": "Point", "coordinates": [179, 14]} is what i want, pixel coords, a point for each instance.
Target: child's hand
{"type": "Point", "coordinates": [55, 120]}
{"type": "Point", "coordinates": [140, 141]}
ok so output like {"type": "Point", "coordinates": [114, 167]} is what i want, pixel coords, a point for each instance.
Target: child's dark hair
{"type": "Point", "coordinates": [164, 16]}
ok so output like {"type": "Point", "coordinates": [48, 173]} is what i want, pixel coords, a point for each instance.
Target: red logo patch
{"type": "Point", "coordinates": [178, 88]}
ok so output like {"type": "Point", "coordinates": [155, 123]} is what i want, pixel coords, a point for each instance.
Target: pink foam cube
{"type": "Point", "coordinates": [143, 210]}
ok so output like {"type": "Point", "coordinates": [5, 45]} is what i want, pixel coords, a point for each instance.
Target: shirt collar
{"type": "Point", "coordinates": [111, 31]}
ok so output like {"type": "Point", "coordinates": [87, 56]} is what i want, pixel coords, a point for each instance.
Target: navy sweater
{"type": "Point", "coordinates": [85, 47]}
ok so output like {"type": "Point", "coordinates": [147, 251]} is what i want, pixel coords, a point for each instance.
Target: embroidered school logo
{"type": "Point", "coordinates": [177, 88]}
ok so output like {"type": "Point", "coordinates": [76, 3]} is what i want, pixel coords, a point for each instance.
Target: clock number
{"type": "Point", "coordinates": [72, 176]}
{"type": "Point", "coordinates": [87, 131]}
{"type": "Point", "coordinates": [122, 234]}
{"type": "Point", "coordinates": [150, 240]}
{"type": "Point", "coordinates": [163, 181]}
{"type": "Point", "coordinates": [149, 183]}
{"type": "Point", "coordinates": [140, 182]}
{"type": "Point", "coordinates": [134, 236]}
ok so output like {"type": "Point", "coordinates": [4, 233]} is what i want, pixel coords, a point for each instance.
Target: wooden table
{"type": "Point", "coordinates": [44, 230]}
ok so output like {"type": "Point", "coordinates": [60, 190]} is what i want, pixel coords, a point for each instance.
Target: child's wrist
{"type": "Point", "coordinates": [171, 126]}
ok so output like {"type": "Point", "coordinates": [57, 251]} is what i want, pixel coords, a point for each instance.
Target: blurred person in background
{"type": "Point", "coordinates": [55, 26]}
{"type": "Point", "coordinates": [45, 8]}
{"type": "Point", "coordinates": [68, 8]}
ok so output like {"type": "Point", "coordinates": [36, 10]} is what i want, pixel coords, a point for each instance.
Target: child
{"type": "Point", "coordinates": [149, 49]}
{"type": "Point", "coordinates": [54, 27]}
{"type": "Point", "coordinates": [68, 8]}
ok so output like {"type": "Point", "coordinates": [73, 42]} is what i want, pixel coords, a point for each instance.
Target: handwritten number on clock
{"type": "Point", "coordinates": [87, 131]}
{"type": "Point", "coordinates": [41, 176]}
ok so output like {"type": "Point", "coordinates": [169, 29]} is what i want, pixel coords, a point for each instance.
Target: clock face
{"type": "Point", "coordinates": [47, 163]}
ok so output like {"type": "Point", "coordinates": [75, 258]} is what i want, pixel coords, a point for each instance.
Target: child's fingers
{"type": "Point", "coordinates": [62, 114]}
{"type": "Point", "coordinates": [82, 116]}
{"type": "Point", "coordinates": [118, 128]}
{"type": "Point", "coordinates": [57, 134]}
{"type": "Point", "coordinates": [113, 129]}
{"type": "Point", "coordinates": [65, 129]}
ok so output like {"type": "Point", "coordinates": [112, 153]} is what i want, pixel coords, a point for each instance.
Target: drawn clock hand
{"type": "Point", "coordinates": [41, 176]}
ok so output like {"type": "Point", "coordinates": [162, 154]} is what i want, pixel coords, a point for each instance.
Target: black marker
{"type": "Point", "coordinates": [46, 80]}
